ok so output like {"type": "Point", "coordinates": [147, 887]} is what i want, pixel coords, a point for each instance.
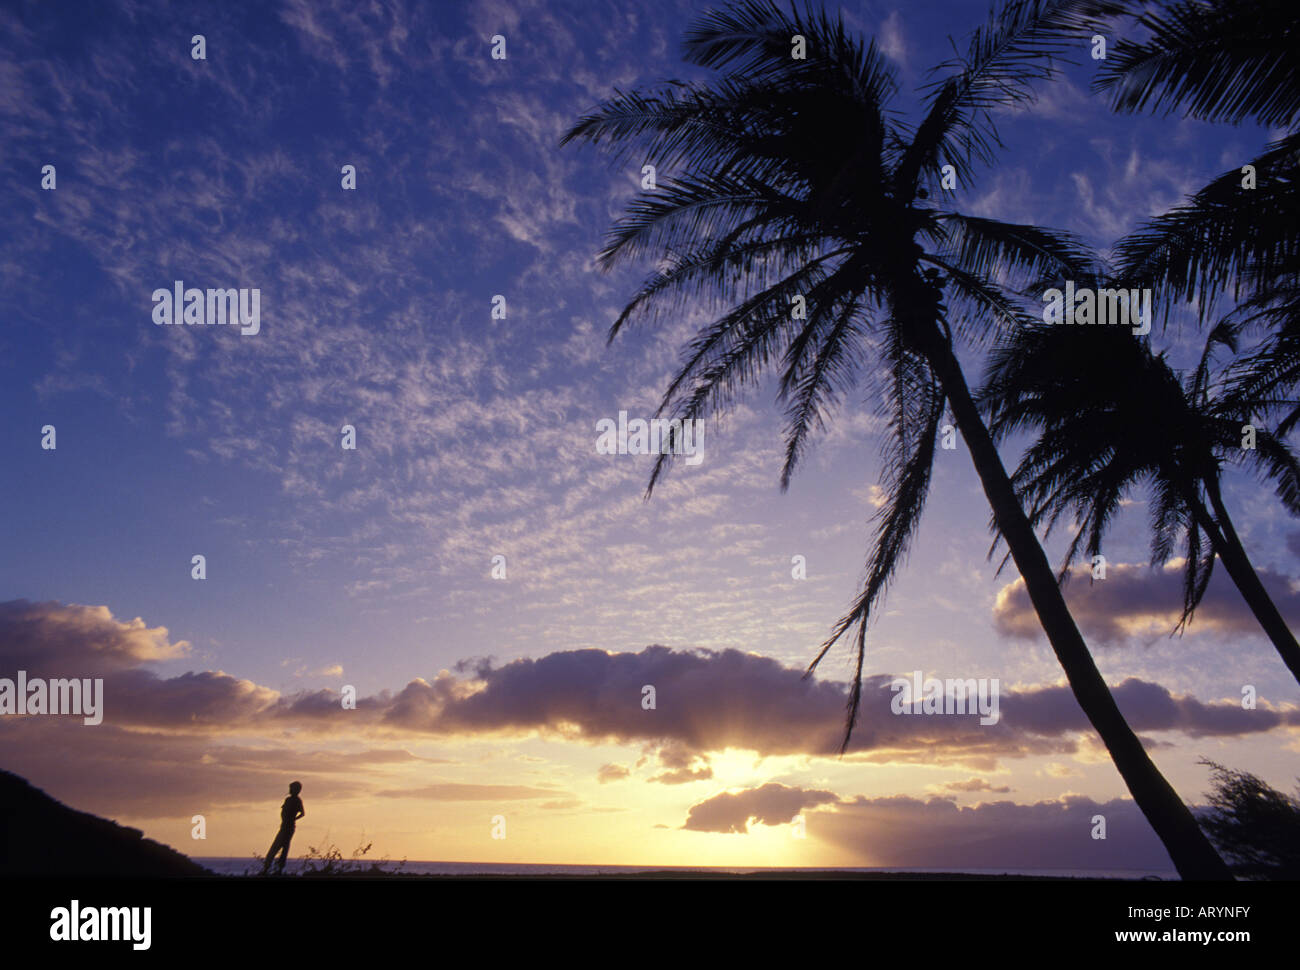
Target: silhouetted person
{"type": "Point", "coordinates": [290, 812]}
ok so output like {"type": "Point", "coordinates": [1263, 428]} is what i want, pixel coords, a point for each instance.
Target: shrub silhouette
{"type": "Point", "coordinates": [327, 861]}
{"type": "Point", "coordinates": [1256, 826]}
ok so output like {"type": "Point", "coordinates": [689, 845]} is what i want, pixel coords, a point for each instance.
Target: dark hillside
{"type": "Point", "coordinates": [42, 837]}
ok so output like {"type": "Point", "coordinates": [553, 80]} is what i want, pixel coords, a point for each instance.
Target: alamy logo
{"type": "Point", "coordinates": [36, 696]}
{"type": "Point", "coordinates": [658, 436]}
{"type": "Point", "coordinates": [72, 924]}
{"type": "Point", "coordinates": [215, 306]}
{"type": "Point", "coordinates": [934, 696]}
{"type": "Point", "coordinates": [1105, 306]}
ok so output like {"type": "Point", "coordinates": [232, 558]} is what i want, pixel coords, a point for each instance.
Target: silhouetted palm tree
{"type": "Point", "coordinates": [1228, 63]}
{"type": "Point", "coordinates": [1225, 62]}
{"type": "Point", "coordinates": [1112, 416]}
{"type": "Point", "coordinates": [793, 180]}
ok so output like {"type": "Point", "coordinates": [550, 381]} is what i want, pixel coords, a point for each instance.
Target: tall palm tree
{"type": "Point", "coordinates": [1110, 416]}
{"type": "Point", "coordinates": [1225, 62]}
{"type": "Point", "coordinates": [795, 179]}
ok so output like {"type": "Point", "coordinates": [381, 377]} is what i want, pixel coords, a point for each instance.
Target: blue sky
{"type": "Point", "coordinates": [475, 436]}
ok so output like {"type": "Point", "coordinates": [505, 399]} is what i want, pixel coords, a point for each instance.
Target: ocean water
{"type": "Point", "coordinates": [227, 866]}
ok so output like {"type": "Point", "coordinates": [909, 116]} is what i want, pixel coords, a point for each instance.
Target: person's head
{"type": "Point", "coordinates": [295, 787]}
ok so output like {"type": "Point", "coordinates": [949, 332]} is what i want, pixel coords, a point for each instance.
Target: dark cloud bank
{"type": "Point", "coordinates": [168, 741]}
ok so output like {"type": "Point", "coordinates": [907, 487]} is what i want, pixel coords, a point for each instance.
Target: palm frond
{"type": "Point", "coordinates": [1024, 42]}
{"type": "Point", "coordinates": [909, 462]}
{"type": "Point", "coordinates": [733, 351]}
{"type": "Point", "coordinates": [1012, 253]}
{"type": "Point", "coordinates": [1216, 61]}
{"type": "Point", "coordinates": [1223, 238]}
{"type": "Point", "coordinates": [815, 381]}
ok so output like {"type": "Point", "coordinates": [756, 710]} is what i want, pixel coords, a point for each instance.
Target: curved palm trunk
{"type": "Point", "coordinates": [1233, 555]}
{"type": "Point", "coordinates": [1169, 816]}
